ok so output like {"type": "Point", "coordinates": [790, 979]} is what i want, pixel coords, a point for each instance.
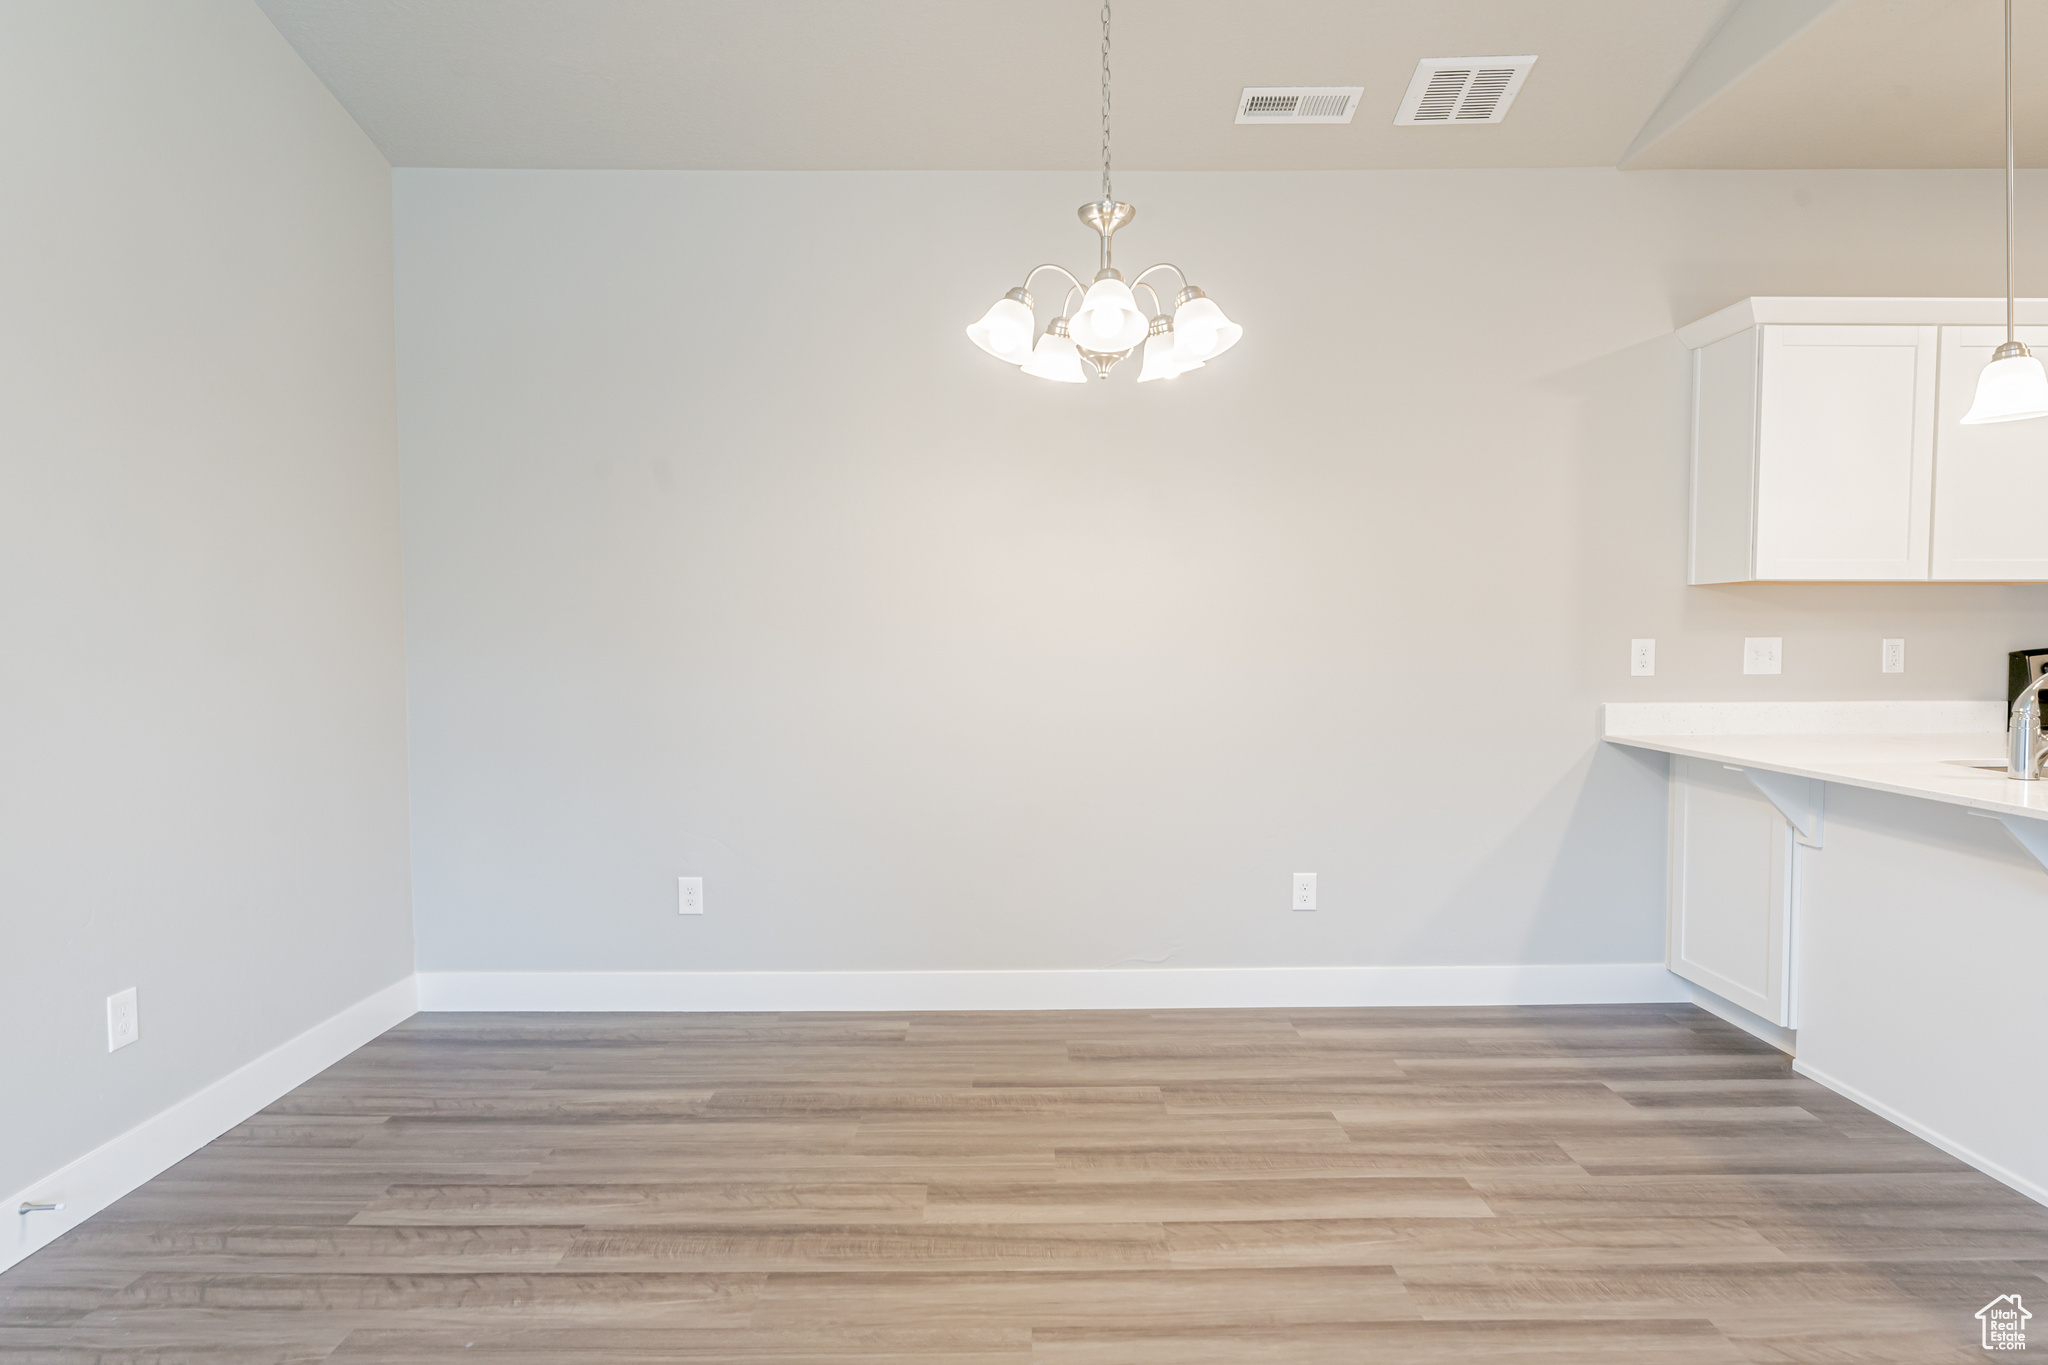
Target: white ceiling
{"type": "Point", "coordinates": [1880, 83]}
{"type": "Point", "coordinates": [1002, 85]}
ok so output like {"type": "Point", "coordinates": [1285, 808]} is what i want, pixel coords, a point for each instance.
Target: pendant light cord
{"type": "Point", "coordinates": [1107, 197]}
{"type": "Point", "coordinates": [2009, 306]}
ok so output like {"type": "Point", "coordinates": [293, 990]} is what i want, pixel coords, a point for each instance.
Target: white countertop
{"type": "Point", "coordinates": [1884, 750]}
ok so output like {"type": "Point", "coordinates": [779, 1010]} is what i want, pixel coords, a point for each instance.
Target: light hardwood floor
{"type": "Point", "coordinates": [1638, 1184]}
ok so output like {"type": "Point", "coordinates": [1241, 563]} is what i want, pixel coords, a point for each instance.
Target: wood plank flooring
{"type": "Point", "coordinates": [1639, 1184]}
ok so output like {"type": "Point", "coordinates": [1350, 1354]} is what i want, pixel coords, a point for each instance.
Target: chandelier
{"type": "Point", "coordinates": [1108, 325]}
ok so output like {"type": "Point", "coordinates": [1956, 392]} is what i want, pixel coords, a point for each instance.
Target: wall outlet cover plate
{"type": "Point", "coordinates": [123, 1026]}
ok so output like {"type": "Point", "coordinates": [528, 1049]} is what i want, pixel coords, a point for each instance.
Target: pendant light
{"type": "Point", "coordinates": [2013, 386]}
{"type": "Point", "coordinates": [1110, 322]}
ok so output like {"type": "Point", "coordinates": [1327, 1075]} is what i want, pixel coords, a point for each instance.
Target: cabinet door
{"type": "Point", "coordinates": [1730, 900]}
{"type": "Point", "coordinates": [1990, 482]}
{"type": "Point", "coordinates": [1845, 452]}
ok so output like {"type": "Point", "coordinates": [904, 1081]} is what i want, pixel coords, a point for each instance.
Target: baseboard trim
{"type": "Point", "coordinates": [115, 1167]}
{"type": "Point", "coordinates": [2031, 1189]}
{"type": "Point", "coordinates": [1603, 983]}
{"type": "Point", "coordinates": [1784, 1039]}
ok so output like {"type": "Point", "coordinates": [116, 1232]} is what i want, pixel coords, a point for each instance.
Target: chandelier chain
{"type": "Point", "coordinates": [1107, 197]}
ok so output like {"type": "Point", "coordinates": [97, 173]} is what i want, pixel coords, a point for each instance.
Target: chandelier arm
{"type": "Point", "coordinates": [1062, 269]}
{"type": "Point", "coordinates": [1157, 306]}
{"type": "Point", "coordinates": [1073, 290]}
{"type": "Point", "coordinates": [1165, 265]}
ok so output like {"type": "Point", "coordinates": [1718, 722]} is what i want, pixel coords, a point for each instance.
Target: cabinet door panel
{"type": "Point", "coordinates": [1845, 458]}
{"type": "Point", "coordinates": [1730, 887]}
{"type": "Point", "coordinates": [1990, 482]}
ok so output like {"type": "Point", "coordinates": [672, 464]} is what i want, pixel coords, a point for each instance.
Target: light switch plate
{"type": "Point", "coordinates": [1763, 654]}
{"type": "Point", "coordinates": [689, 895]}
{"type": "Point", "coordinates": [1892, 658]}
{"type": "Point", "coordinates": [1304, 890]}
{"type": "Point", "coordinates": [123, 1027]}
{"type": "Point", "coordinates": [1642, 658]}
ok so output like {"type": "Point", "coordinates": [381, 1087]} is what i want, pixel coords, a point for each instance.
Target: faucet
{"type": "Point", "coordinates": [2025, 746]}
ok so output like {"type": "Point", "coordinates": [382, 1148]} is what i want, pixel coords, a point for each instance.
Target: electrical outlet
{"type": "Point", "coordinates": [1762, 654]}
{"type": "Point", "coordinates": [1642, 658]}
{"type": "Point", "coordinates": [689, 895]}
{"type": "Point", "coordinates": [1304, 890]}
{"type": "Point", "coordinates": [123, 1027]}
{"type": "Point", "coordinates": [1892, 658]}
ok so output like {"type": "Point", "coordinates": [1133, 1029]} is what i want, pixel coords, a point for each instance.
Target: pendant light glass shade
{"type": "Point", "coordinates": [1056, 357]}
{"type": "Point", "coordinates": [1005, 329]}
{"type": "Point", "coordinates": [2011, 389]}
{"type": "Point", "coordinates": [1203, 330]}
{"type": "Point", "coordinates": [1109, 319]}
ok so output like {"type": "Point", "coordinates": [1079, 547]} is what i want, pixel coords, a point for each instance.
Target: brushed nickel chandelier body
{"type": "Point", "coordinates": [1108, 325]}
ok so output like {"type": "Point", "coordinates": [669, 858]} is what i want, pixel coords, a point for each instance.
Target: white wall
{"type": "Point", "coordinates": [727, 554]}
{"type": "Point", "coordinates": [202, 745]}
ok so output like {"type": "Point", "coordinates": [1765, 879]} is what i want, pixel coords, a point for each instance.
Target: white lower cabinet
{"type": "Point", "coordinates": [1734, 878]}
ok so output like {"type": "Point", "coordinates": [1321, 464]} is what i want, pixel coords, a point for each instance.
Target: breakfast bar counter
{"type": "Point", "coordinates": [1865, 886]}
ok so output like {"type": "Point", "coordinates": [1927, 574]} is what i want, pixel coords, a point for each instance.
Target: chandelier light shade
{"type": "Point", "coordinates": [1108, 324]}
{"type": "Point", "coordinates": [1006, 329]}
{"type": "Point", "coordinates": [1110, 319]}
{"type": "Point", "coordinates": [1203, 330]}
{"type": "Point", "coordinates": [2013, 386]}
{"type": "Point", "coordinates": [1056, 357]}
{"type": "Point", "coordinates": [1160, 360]}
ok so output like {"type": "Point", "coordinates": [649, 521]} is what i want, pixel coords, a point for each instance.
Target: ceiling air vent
{"type": "Point", "coordinates": [1462, 89]}
{"type": "Point", "coordinates": [1298, 103]}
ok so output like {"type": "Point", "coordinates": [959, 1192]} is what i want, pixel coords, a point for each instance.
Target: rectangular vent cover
{"type": "Point", "coordinates": [1298, 103]}
{"type": "Point", "coordinates": [1463, 89]}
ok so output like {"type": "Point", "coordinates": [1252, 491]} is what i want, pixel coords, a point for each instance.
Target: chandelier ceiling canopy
{"type": "Point", "coordinates": [1110, 322]}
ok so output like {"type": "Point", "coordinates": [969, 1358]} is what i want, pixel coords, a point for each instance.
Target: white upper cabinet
{"type": "Point", "coordinates": [1827, 446]}
{"type": "Point", "coordinates": [1991, 518]}
{"type": "Point", "coordinates": [1845, 452]}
